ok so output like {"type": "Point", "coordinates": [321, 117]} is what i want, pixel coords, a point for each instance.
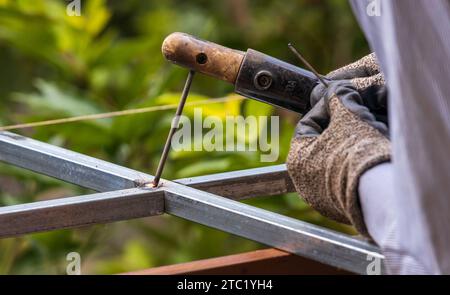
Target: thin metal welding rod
{"type": "Point", "coordinates": [295, 51]}
{"type": "Point", "coordinates": [173, 128]}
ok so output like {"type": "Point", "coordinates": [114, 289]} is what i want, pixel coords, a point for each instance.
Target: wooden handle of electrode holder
{"type": "Point", "coordinates": [203, 56]}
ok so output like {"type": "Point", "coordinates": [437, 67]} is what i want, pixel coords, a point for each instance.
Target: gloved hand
{"type": "Point", "coordinates": [334, 144]}
{"type": "Point", "coordinates": [366, 77]}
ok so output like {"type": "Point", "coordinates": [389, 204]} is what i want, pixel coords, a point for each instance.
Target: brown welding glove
{"type": "Point", "coordinates": [334, 144]}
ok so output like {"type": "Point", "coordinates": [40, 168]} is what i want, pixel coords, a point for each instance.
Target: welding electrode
{"type": "Point", "coordinates": [173, 128]}
{"type": "Point", "coordinates": [302, 59]}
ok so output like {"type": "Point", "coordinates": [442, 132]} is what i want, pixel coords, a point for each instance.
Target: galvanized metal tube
{"type": "Point", "coordinates": [266, 227]}
{"type": "Point", "coordinates": [102, 176]}
{"type": "Point", "coordinates": [270, 228]}
{"type": "Point", "coordinates": [244, 184]}
{"type": "Point", "coordinates": [67, 165]}
{"type": "Point", "coordinates": [80, 211]}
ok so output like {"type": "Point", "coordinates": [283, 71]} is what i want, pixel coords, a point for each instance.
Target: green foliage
{"type": "Point", "coordinates": [53, 66]}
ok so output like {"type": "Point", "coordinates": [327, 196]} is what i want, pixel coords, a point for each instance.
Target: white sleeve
{"type": "Point", "coordinates": [376, 196]}
{"type": "Point", "coordinates": [412, 42]}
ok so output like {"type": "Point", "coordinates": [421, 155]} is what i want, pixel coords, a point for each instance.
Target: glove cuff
{"type": "Point", "coordinates": [326, 169]}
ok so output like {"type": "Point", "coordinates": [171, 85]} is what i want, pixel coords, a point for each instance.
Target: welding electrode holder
{"type": "Point", "coordinates": [254, 74]}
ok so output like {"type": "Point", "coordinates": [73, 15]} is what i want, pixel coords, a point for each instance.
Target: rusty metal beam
{"type": "Point", "coordinates": [259, 262]}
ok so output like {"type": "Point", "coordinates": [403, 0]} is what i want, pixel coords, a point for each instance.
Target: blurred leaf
{"type": "Point", "coordinates": [54, 100]}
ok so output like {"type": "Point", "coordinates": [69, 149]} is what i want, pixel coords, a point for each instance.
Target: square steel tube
{"type": "Point", "coordinates": [103, 176]}
{"type": "Point", "coordinates": [177, 199]}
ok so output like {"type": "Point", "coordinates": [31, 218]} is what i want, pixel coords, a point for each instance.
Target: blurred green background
{"type": "Point", "coordinates": [53, 65]}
